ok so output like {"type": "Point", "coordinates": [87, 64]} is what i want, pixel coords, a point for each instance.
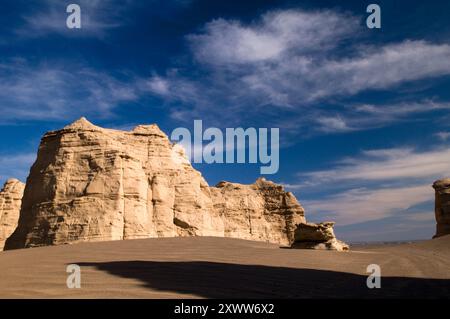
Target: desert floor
{"type": "Point", "coordinates": [208, 267]}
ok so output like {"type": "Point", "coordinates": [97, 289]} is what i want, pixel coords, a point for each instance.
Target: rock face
{"type": "Point", "coordinates": [317, 236]}
{"type": "Point", "coordinates": [266, 211]}
{"type": "Point", "coordinates": [442, 207]}
{"type": "Point", "coordinates": [93, 184]}
{"type": "Point", "coordinates": [10, 201]}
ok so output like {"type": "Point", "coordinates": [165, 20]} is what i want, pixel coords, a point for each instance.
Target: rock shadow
{"type": "Point", "coordinates": [226, 280]}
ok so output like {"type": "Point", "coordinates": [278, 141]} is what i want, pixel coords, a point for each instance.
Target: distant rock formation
{"type": "Point", "coordinates": [94, 184]}
{"type": "Point", "coordinates": [317, 236]}
{"type": "Point", "coordinates": [10, 201]}
{"type": "Point", "coordinates": [442, 207]}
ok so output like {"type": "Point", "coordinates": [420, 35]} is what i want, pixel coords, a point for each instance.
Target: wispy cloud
{"type": "Point", "coordinates": [403, 225]}
{"type": "Point", "coordinates": [385, 165]}
{"type": "Point", "coordinates": [362, 204]}
{"type": "Point", "coordinates": [356, 117]}
{"type": "Point", "coordinates": [374, 185]}
{"type": "Point", "coordinates": [333, 124]}
{"type": "Point", "coordinates": [98, 17]}
{"type": "Point", "coordinates": [421, 217]}
{"type": "Point", "coordinates": [58, 91]}
{"type": "Point", "coordinates": [277, 35]}
{"type": "Point", "coordinates": [15, 166]}
{"type": "Point", "coordinates": [286, 66]}
{"type": "Point", "coordinates": [383, 67]}
{"type": "Point", "coordinates": [444, 136]}
{"type": "Point", "coordinates": [289, 65]}
{"type": "Point", "coordinates": [281, 67]}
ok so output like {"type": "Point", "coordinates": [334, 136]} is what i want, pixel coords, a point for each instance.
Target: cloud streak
{"type": "Point", "coordinates": [97, 18]}
{"type": "Point", "coordinates": [15, 166]}
{"type": "Point", "coordinates": [289, 65]}
{"type": "Point", "coordinates": [55, 92]}
{"type": "Point", "coordinates": [286, 66]}
{"type": "Point", "coordinates": [278, 34]}
{"type": "Point", "coordinates": [362, 204]}
{"type": "Point", "coordinates": [376, 184]}
{"type": "Point", "coordinates": [386, 165]}
{"type": "Point", "coordinates": [358, 117]}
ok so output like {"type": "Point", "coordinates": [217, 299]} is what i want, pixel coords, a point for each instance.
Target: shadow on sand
{"type": "Point", "coordinates": [223, 280]}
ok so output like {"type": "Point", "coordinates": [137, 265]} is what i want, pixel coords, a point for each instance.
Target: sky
{"type": "Point", "coordinates": [363, 113]}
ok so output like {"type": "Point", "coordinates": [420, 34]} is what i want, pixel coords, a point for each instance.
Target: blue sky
{"type": "Point", "coordinates": [363, 113]}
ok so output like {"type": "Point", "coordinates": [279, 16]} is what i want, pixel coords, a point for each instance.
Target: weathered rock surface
{"type": "Point", "coordinates": [10, 201]}
{"type": "Point", "coordinates": [317, 236]}
{"type": "Point", "coordinates": [442, 207]}
{"type": "Point", "coordinates": [266, 211]}
{"type": "Point", "coordinates": [93, 184]}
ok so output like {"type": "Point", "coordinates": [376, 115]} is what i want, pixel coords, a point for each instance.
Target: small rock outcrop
{"type": "Point", "coordinates": [10, 201]}
{"type": "Point", "coordinates": [95, 184]}
{"type": "Point", "coordinates": [442, 207]}
{"type": "Point", "coordinates": [317, 236]}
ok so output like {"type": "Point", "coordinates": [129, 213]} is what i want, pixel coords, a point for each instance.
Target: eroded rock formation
{"type": "Point", "coordinates": [442, 207]}
{"type": "Point", "coordinates": [93, 184]}
{"type": "Point", "coordinates": [317, 236]}
{"type": "Point", "coordinates": [10, 201]}
{"type": "Point", "coordinates": [266, 211]}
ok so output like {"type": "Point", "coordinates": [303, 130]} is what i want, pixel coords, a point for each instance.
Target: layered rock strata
{"type": "Point", "coordinates": [317, 236]}
{"type": "Point", "coordinates": [94, 184]}
{"type": "Point", "coordinates": [442, 207]}
{"type": "Point", "coordinates": [10, 201]}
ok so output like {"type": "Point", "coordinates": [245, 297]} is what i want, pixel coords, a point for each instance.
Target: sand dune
{"type": "Point", "coordinates": [207, 267]}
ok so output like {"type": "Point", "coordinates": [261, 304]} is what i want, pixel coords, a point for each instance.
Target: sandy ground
{"type": "Point", "coordinates": [224, 268]}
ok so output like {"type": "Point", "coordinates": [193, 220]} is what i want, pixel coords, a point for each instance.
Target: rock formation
{"type": "Point", "coordinates": [317, 236]}
{"type": "Point", "coordinates": [92, 184]}
{"type": "Point", "coordinates": [266, 211]}
{"type": "Point", "coordinates": [10, 201]}
{"type": "Point", "coordinates": [442, 207]}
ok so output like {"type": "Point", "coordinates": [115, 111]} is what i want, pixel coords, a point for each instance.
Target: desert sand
{"type": "Point", "coordinates": [210, 267]}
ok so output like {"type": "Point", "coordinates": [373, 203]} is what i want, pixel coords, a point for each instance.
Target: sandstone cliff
{"type": "Point", "coordinates": [10, 201]}
{"type": "Point", "coordinates": [442, 207]}
{"type": "Point", "coordinates": [93, 184]}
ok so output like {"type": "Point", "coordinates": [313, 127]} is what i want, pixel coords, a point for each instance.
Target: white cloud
{"type": "Point", "coordinates": [333, 124]}
{"type": "Point", "coordinates": [15, 166]}
{"type": "Point", "coordinates": [444, 136]}
{"type": "Point", "coordinates": [292, 60]}
{"type": "Point", "coordinates": [362, 205]}
{"type": "Point", "coordinates": [97, 18]}
{"type": "Point", "coordinates": [400, 109]}
{"type": "Point", "coordinates": [385, 165]}
{"type": "Point", "coordinates": [377, 184]}
{"type": "Point", "coordinates": [421, 217]}
{"type": "Point", "coordinates": [383, 67]}
{"type": "Point", "coordinates": [49, 92]}
{"type": "Point", "coordinates": [172, 87]}
{"type": "Point", "coordinates": [231, 42]}
{"type": "Point", "coordinates": [357, 117]}
{"type": "Point", "coordinates": [157, 85]}
{"type": "Point", "coordinates": [237, 44]}
{"type": "Point", "coordinates": [310, 79]}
